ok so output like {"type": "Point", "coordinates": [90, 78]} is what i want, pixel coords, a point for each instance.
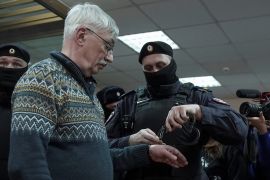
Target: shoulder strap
{"type": "Point", "coordinates": [128, 106]}
{"type": "Point", "coordinates": [142, 94]}
{"type": "Point", "coordinates": [183, 93]}
{"type": "Point", "coordinates": [186, 88]}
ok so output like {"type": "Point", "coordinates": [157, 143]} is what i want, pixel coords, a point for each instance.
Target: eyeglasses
{"type": "Point", "coordinates": [108, 46]}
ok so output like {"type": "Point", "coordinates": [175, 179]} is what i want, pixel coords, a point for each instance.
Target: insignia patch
{"type": "Point", "coordinates": [118, 93]}
{"type": "Point", "coordinates": [11, 51]}
{"type": "Point", "coordinates": [149, 48]}
{"type": "Point", "coordinates": [220, 101]}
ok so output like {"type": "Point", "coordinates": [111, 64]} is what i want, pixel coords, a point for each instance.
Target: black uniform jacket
{"type": "Point", "coordinates": [5, 120]}
{"type": "Point", "coordinates": [219, 121]}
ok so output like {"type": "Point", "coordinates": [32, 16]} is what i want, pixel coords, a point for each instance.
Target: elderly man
{"type": "Point", "coordinates": [57, 129]}
{"type": "Point", "coordinates": [13, 63]}
{"type": "Point", "coordinates": [178, 114]}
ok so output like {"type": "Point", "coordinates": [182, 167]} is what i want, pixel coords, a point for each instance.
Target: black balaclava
{"type": "Point", "coordinates": [164, 83]}
{"type": "Point", "coordinates": [10, 76]}
{"type": "Point", "coordinates": [8, 80]}
{"type": "Point", "coordinates": [165, 76]}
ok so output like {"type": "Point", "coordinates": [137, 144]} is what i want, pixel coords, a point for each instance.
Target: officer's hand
{"type": "Point", "coordinates": [168, 155]}
{"type": "Point", "coordinates": [178, 115]}
{"type": "Point", "coordinates": [144, 136]}
{"type": "Point", "coordinates": [258, 123]}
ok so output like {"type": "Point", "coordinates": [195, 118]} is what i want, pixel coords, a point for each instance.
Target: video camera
{"type": "Point", "coordinates": [252, 110]}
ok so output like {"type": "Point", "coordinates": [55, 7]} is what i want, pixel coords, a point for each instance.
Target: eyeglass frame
{"type": "Point", "coordinates": [108, 45]}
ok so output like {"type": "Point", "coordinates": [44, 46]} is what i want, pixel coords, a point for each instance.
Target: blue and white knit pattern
{"type": "Point", "coordinates": [49, 101]}
{"type": "Point", "coordinates": [32, 122]}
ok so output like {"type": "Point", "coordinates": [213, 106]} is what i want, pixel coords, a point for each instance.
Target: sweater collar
{"type": "Point", "coordinates": [87, 83]}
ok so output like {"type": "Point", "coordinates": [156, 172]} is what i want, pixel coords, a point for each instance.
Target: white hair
{"type": "Point", "coordinates": [89, 15]}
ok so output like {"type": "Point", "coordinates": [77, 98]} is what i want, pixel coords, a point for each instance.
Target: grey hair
{"type": "Point", "coordinates": [89, 15]}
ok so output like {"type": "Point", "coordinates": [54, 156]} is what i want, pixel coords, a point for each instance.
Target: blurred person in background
{"type": "Point", "coordinates": [224, 162]}
{"type": "Point", "coordinates": [109, 97]}
{"type": "Point", "coordinates": [257, 148]}
{"type": "Point", "coordinates": [13, 64]}
{"type": "Point", "coordinates": [249, 160]}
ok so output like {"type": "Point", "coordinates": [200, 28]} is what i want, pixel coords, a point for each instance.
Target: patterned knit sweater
{"type": "Point", "coordinates": [57, 130]}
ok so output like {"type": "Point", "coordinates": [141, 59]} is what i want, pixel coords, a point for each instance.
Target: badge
{"type": "Point", "coordinates": [150, 48]}
{"type": "Point", "coordinates": [11, 51]}
{"type": "Point", "coordinates": [220, 101]}
{"type": "Point", "coordinates": [118, 93]}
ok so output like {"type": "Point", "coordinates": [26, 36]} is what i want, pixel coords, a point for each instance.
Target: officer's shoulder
{"type": "Point", "coordinates": [128, 94]}
{"type": "Point", "coordinates": [188, 86]}
{"type": "Point", "coordinates": [142, 92]}
{"type": "Point", "coordinates": [134, 94]}
{"type": "Point", "coordinates": [142, 95]}
{"type": "Point", "coordinates": [201, 89]}
{"type": "Point", "coordinates": [191, 87]}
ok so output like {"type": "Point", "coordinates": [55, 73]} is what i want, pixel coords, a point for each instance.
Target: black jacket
{"type": "Point", "coordinates": [231, 165]}
{"type": "Point", "coordinates": [5, 120]}
{"type": "Point", "coordinates": [219, 121]}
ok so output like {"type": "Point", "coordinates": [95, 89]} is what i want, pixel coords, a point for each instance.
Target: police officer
{"type": "Point", "coordinates": [167, 111]}
{"type": "Point", "coordinates": [109, 97]}
{"type": "Point", "coordinates": [13, 63]}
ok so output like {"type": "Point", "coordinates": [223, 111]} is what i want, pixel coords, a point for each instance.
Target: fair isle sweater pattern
{"type": "Point", "coordinates": [49, 102]}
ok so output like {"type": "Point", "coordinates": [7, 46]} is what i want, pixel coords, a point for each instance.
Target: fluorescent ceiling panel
{"type": "Point", "coordinates": [202, 81]}
{"type": "Point", "coordinates": [136, 41]}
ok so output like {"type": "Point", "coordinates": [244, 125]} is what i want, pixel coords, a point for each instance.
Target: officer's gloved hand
{"type": "Point", "coordinates": [178, 115]}
{"type": "Point", "coordinates": [144, 136]}
{"type": "Point", "coordinates": [168, 155]}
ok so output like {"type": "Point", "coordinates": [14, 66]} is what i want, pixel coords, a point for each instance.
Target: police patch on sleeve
{"type": "Point", "coordinates": [220, 101]}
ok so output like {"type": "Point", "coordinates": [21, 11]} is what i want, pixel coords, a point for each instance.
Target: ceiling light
{"type": "Point", "coordinates": [202, 81]}
{"type": "Point", "coordinates": [136, 41]}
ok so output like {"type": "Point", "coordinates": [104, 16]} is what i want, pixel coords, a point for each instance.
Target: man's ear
{"type": "Point", "coordinates": [80, 36]}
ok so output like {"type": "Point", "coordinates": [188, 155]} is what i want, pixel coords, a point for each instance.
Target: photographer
{"type": "Point", "coordinates": [257, 148]}
{"type": "Point", "coordinates": [250, 160]}
{"type": "Point", "coordinates": [224, 162]}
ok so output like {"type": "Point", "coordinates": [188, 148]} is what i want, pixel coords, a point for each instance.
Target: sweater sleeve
{"type": "Point", "coordinates": [119, 142]}
{"type": "Point", "coordinates": [130, 157]}
{"type": "Point", "coordinates": [33, 120]}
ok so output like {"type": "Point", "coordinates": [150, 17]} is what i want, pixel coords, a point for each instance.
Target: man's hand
{"type": "Point", "coordinates": [144, 136]}
{"type": "Point", "coordinates": [178, 115]}
{"type": "Point", "coordinates": [258, 123]}
{"type": "Point", "coordinates": [168, 155]}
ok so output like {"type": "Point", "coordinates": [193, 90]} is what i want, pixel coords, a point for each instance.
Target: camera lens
{"type": "Point", "coordinates": [250, 110]}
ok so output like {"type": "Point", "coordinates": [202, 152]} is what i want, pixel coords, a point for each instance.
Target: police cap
{"type": "Point", "coordinates": [110, 94]}
{"type": "Point", "coordinates": [15, 51]}
{"type": "Point", "coordinates": [156, 47]}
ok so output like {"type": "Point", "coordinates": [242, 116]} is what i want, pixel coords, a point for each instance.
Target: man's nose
{"type": "Point", "coordinates": [155, 69]}
{"type": "Point", "coordinates": [109, 56]}
{"type": "Point", "coordinates": [10, 65]}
